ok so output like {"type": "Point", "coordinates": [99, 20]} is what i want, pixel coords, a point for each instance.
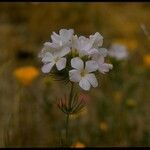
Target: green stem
{"type": "Point", "coordinates": [68, 115]}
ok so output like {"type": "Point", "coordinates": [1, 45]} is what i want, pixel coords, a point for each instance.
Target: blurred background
{"type": "Point", "coordinates": [118, 111]}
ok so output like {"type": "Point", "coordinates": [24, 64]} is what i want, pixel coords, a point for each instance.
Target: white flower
{"type": "Point", "coordinates": [62, 39]}
{"type": "Point", "coordinates": [82, 74]}
{"type": "Point", "coordinates": [118, 51]}
{"type": "Point", "coordinates": [102, 66]}
{"type": "Point", "coordinates": [50, 59]}
{"type": "Point", "coordinates": [59, 41]}
{"type": "Point", "coordinates": [82, 45]}
{"type": "Point", "coordinates": [99, 57]}
{"type": "Point", "coordinates": [87, 46]}
{"type": "Point", "coordinates": [97, 40]}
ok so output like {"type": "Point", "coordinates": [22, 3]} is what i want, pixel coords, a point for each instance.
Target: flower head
{"type": "Point", "coordinates": [62, 39]}
{"type": "Point", "coordinates": [50, 59]}
{"type": "Point", "coordinates": [102, 66]}
{"type": "Point", "coordinates": [25, 75]}
{"type": "Point", "coordinates": [97, 40]}
{"type": "Point", "coordinates": [76, 58]}
{"type": "Point", "coordinates": [82, 74]}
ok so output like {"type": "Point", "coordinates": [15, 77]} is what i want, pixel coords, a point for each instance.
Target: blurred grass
{"type": "Point", "coordinates": [118, 110]}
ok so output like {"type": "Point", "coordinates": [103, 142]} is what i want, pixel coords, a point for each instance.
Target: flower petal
{"type": "Point", "coordinates": [55, 38]}
{"type": "Point", "coordinates": [65, 34]}
{"type": "Point", "coordinates": [74, 75]}
{"type": "Point", "coordinates": [92, 79]}
{"type": "Point", "coordinates": [100, 60]}
{"type": "Point", "coordinates": [48, 57]}
{"type": "Point", "coordinates": [77, 63]}
{"type": "Point", "coordinates": [47, 67]}
{"type": "Point", "coordinates": [97, 40]}
{"type": "Point", "coordinates": [93, 51]}
{"type": "Point", "coordinates": [84, 84]}
{"type": "Point", "coordinates": [84, 44]}
{"type": "Point", "coordinates": [91, 66]}
{"type": "Point", "coordinates": [61, 63]}
{"type": "Point", "coordinates": [62, 52]}
{"type": "Point", "coordinates": [103, 68]}
{"type": "Point", "coordinates": [103, 52]}
{"type": "Point", "coordinates": [51, 46]}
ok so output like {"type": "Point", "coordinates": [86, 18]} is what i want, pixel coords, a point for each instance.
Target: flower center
{"type": "Point", "coordinates": [56, 59]}
{"type": "Point", "coordinates": [83, 73]}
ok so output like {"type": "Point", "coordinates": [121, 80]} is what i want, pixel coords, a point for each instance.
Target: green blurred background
{"type": "Point", "coordinates": [118, 111]}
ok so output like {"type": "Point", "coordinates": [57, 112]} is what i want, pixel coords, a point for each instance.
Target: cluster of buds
{"type": "Point", "coordinates": [74, 58]}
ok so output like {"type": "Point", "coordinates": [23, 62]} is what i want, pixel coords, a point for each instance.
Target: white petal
{"type": "Point", "coordinates": [77, 63]}
{"type": "Point", "coordinates": [100, 60]}
{"type": "Point", "coordinates": [47, 67]}
{"type": "Point", "coordinates": [63, 52]}
{"type": "Point", "coordinates": [74, 75]}
{"type": "Point", "coordinates": [93, 51]}
{"type": "Point", "coordinates": [87, 46]}
{"type": "Point", "coordinates": [92, 79]}
{"type": "Point", "coordinates": [48, 57]}
{"type": "Point", "coordinates": [103, 52]}
{"type": "Point", "coordinates": [61, 63]}
{"type": "Point", "coordinates": [66, 35]}
{"type": "Point", "coordinates": [52, 46]}
{"type": "Point", "coordinates": [82, 53]}
{"type": "Point", "coordinates": [91, 66]}
{"type": "Point", "coordinates": [84, 44]}
{"type": "Point", "coordinates": [47, 44]}
{"type": "Point", "coordinates": [84, 84]}
{"type": "Point", "coordinates": [55, 38]}
{"type": "Point", "coordinates": [97, 39]}
{"type": "Point", "coordinates": [103, 68]}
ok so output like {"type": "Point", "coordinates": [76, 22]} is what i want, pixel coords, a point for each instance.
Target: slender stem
{"type": "Point", "coordinates": [67, 130]}
{"type": "Point", "coordinates": [68, 115]}
{"type": "Point", "coordinates": [71, 95]}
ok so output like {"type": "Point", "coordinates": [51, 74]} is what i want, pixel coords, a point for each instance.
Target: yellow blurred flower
{"type": "Point", "coordinates": [131, 103]}
{"type": "Point", "coordinates": [25, 75]}
{"type": "Point", "coordinates": [103, 126]}
{"type": "Point", "coordinates": [131, 44]}
{"type": "Point", "coordinates": [146, 60]}
{"type": "Point", "coordinates": [118, 96]}
{"type": "Point", "coordinates": [78, 145]}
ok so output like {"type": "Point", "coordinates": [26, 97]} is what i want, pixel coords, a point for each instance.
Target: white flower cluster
{"type": "Point", "coordinates": [82, 70]}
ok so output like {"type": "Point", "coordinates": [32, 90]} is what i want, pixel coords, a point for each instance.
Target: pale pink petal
{"type": "Point", "coordinates": [91, 66]}
{"type": "Point", "coordinates": [92, 79]}
{"type": "Point", "coordinates": [74, 75]}
{"type": "Point", "coordinates": [48, 57]}
{"type": "Point", "coordinates": [55, 38]}
{"type": "Point", "coordinates": [84, 84]}
{"type": "Point", "coordinates": [61, 63]}
{"type": "Point", "coordinates": [103, 68]}
{"type": "Point", "coordinates": [77, 63]}
{"type": "Point", "coordinates": [47, 67]}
